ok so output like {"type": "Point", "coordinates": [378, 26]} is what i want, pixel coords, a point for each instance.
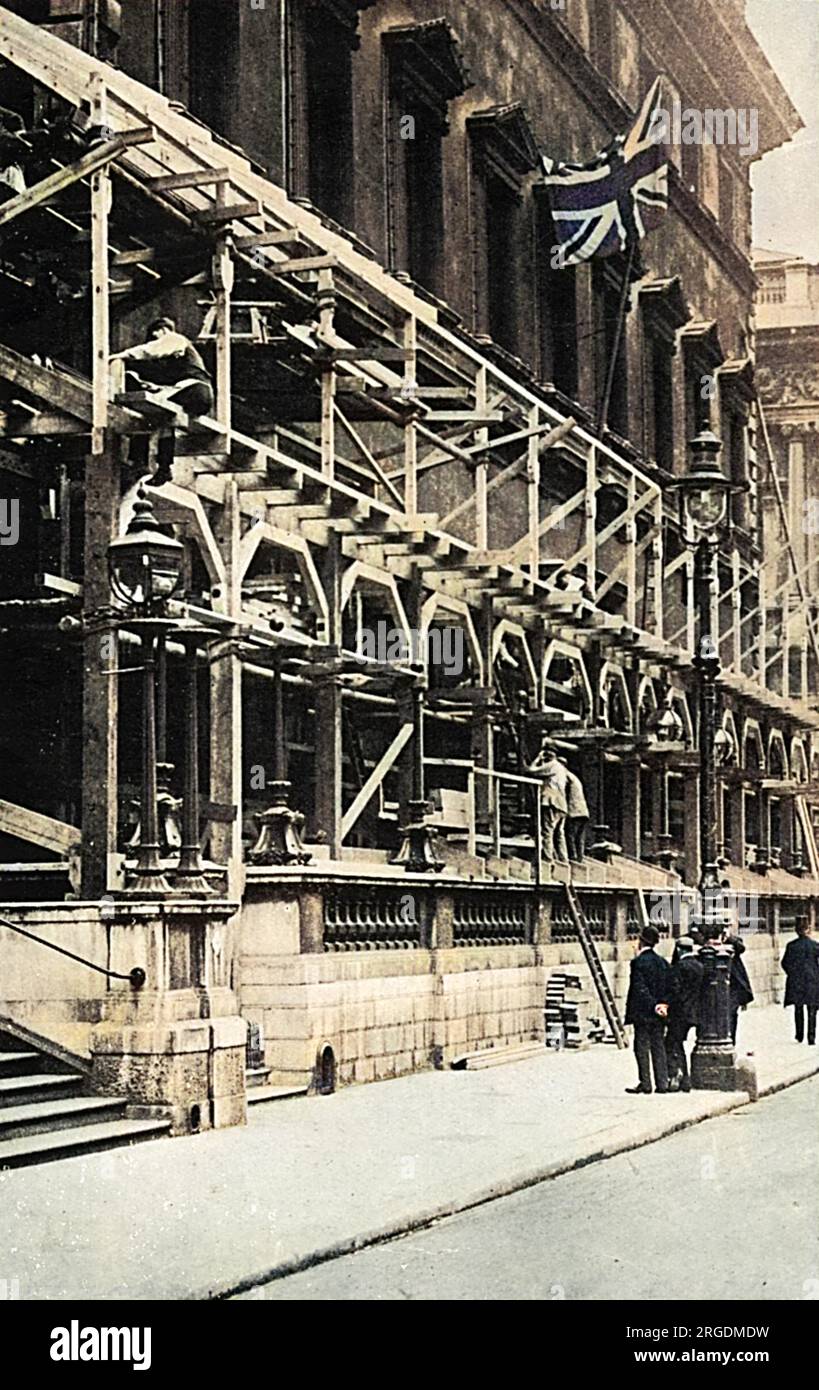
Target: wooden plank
{"type": "Point", "coordinates": [229, 212]}
{"type": "Point", "coordinates": [190, 178]}
{"type": "Point", "coordinates": [138, 255]}
{"type": "Point", "coordinates": [280, 237]}
{"type": "Point", "coordinates": [61, 179]}
{"type": "Point", "coordinates": [39, 426]}
{"type": "Point", "coordinates": [376, 777]}
{"type": "Point", "coordinates": [302, 263]}
{"type": "Point", "coordinates": [37, 829]}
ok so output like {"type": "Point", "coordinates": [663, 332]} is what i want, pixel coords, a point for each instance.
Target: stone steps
{"type": "Point", "coordinates": [258, 1094]}
{"type": "Point", "coordinates": [67, 1143]}
{"type": "Point", "coordinates": [47, 1110]}
{"type": "Point", "coordinates": [496, 1056]}
{"type": "Point", "coordinates": [35, 1086]}
{"type": "Point", "coordinates": [40, 1117]}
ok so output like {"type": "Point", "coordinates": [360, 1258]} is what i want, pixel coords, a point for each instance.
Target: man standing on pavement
{"type": "Point", "coordinates": [553, 801]}
{"type": "Point", "coordinates": [577, 815]}
{"type": "Point", "coordinates": [801, 966]}
{"type": "Point", "coordinates": [740, 986]}
{"type": "Point", "coordinates": [686, 982]}
{"type": "Point", "coordinates": [646, 1009]}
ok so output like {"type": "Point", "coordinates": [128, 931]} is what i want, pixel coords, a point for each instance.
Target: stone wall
{"type": "Point", "coordinates": [46, 991]}
{"type": "Point", "coordinates": [385, 1013]}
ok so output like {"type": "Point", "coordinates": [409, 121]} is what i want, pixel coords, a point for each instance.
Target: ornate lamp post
{"type": "Point", "coordinates": [417, 851]}
{"type": "Point", "coordinates": [145, 569]}
{"type": "Point", "coordinates": [705, 491]}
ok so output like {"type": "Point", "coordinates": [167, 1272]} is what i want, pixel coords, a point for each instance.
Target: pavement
{"type": "Point", "coordinates": [657, 1223]}
{"type": "Point", "coordinates": [313, 1178]}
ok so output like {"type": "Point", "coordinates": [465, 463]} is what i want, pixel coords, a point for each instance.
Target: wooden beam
{"type": "Point", "coordinates": [37, 829]}
{"type": "Point", "coordinates": [376, 777]}
{"type": "Point", "coordinates": [279, 237]}
{"type": "Point", "coordinates": [61, 179]}
{"type": "Point", "coordinates": [190, 178]}
{"type": "Point", "coordinates": [229, 212]}
{"type": "Point", "coordinates": [66, 393]}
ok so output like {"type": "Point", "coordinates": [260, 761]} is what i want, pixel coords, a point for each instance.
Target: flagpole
{"type": "Point", "coordinates": [602, 413]}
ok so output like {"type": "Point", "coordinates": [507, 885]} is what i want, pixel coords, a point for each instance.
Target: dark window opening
{"type": "Point", "coordinates": [558, 311]}
{"type": "Point", "coordinates": [646, 804]}
{"type": "Point", "coordinates": [213, 31]}
{"type": "Point", "coordinates": [608, 294]}
{"type": "Point", "coordinates": [733, 427]}
{"type": "Point", "coordinates": [328, 82]}
{"type": "Point", "coordinates": [501, 254]}
{"type": "Point", "coordinates": [676, 809]}
{"type": "Point", "coordinates": [662, 403]}
{"type": "Point", "coordinates": [425, 209]}
{"type": "Point", "coordinates": [418, 211]}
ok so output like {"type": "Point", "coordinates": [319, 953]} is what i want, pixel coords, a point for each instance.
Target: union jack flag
{"type": "Point", "coordinates": [609, 204]}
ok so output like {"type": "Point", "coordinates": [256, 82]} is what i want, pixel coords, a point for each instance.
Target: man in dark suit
{"type": "Point", "coordinates": [646, 1009]}
{"type": "Point", "coordinates": [801, 966]}
{"type": "Point", "coordinates": [740, 986]}
{"type": "Point", "coordinates": [686, 982]}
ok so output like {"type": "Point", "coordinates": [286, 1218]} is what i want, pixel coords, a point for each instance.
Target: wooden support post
{"type": "Point", "coordinates": [325, 304]}
{"type": "Point", "coordinates": [222, 275]}
{"type": "Point", "coordinates": [690, 602]}
{"type": "Point", "coordinates": [100, 317]}
{"type": "Point", "coordinates": [481, 468]}
{"type": "Point", "coordinates": [328, 764]}
{"type": "Point", "coordinates": [411, 427]}
{"type": "Point", "coordinates": [631, 557]}
{"type": "Point", "coordinates": [483, 743]}
{"type": "Point", "coordinates": [591, 522]}
{"type": "Point", "coordinates": [533, 495]}
{"type": "Point", "coordinates": [226, 706]}
{"type": "Point", "coordinates": [736, 612]}
{"type": "Point", "coordinates": [99, 704]}
{"type": "Point", "coordinates": [658, 558]}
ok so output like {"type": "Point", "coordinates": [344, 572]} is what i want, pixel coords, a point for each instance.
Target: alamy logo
{"type": "Point", "coordinates": [75, 1343]}
{"type": "Point", "coordinates": [440, 646]}
{"type": "Point", "coordinates": [689, 126]}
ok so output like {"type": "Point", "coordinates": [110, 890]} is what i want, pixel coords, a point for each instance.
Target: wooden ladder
{"type": "Point", "coordinates": [594, 963]}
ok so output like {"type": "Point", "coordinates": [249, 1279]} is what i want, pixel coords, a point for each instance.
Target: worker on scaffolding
{"type": "Point", "coordinates": [553, 802]}
{"type": "Point", "coordinates": [169, 365]}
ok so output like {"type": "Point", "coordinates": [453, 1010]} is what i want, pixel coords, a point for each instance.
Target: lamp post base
{"type": "Point", "coordinates": [417, 852]}
{"type": "Point", "coordinates": [280, 826]}
{"type": "Point", "coordinates": [713, 1068]}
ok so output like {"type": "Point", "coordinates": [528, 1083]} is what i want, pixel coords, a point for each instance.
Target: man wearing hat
{"type": "Point", "coordinates": [169, 364]}
{"type": "Point", "coordinates": [553, 801]}
{"type": "Point", "coordinates": [686, 982]}
{"type": "Point", "coordinates": [646, 1009]}
{"type": "Point", "coordinates": [801, 966]}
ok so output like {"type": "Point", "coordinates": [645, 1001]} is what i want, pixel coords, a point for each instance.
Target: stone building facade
{"type": "Point", "coordinates": [339, 203]}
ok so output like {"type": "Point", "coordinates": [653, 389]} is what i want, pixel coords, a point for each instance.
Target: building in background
{"type": "Point", "coordinates": [341, 205]}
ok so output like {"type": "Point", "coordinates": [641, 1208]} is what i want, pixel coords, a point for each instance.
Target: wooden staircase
{"type": "Point", "coordinates": [47, 1107]}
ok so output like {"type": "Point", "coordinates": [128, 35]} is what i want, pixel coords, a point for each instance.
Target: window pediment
{"type": "Point", "coordinates": [427, 64]}
{"type": "Point", "coordinates": [505, 140]}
